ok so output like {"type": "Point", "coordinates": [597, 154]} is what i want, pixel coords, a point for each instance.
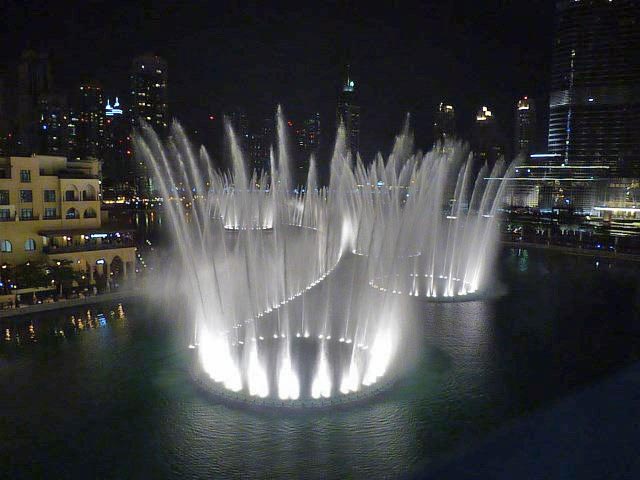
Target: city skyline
{"type": "Point", "coordinates": [320, 239]}
{"type": "Point", "coordinates": [458, 62]}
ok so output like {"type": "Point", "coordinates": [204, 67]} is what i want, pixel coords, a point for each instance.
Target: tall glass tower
{"type": "Point", "coordinates": [595, 85]}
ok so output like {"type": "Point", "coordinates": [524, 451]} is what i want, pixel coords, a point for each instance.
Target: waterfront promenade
{"type": "Point", "coordinates": [72, 302]}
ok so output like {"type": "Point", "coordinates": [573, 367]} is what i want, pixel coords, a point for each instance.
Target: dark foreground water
{"type": "Point", "coordinates": [104, 392]}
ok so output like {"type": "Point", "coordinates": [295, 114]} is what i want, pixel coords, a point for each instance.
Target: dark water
{"type": "Point", "coordinates": [111, 398]}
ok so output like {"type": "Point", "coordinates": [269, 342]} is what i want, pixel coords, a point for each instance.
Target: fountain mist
{"type": "Point", "coordinates": [304, 295]}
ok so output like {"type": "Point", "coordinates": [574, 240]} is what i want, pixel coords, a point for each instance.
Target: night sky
{"type": "Point", "coordinates": [405, 57]}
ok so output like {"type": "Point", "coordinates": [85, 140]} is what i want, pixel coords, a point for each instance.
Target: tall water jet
{"type": "Point", "coordinates": [301, 295]}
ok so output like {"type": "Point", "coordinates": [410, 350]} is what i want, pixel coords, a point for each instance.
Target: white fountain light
{"type": "Point", "coordinates": [241, 279]}
{"type": "Point", "coordinates": [257, 376]}
{"type": "Point", "coordinates": [288, 385]}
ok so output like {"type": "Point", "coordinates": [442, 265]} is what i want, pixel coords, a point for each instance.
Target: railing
{"type": "Point", "coordinates": [8, 219]}
{"type": "Point", "coordinates": [88, 247]}
{"type": "Point", "coordinates": [92, 198]}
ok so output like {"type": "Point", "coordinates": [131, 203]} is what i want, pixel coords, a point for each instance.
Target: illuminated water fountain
{"type": "Point", "coordinates": [284, 313]}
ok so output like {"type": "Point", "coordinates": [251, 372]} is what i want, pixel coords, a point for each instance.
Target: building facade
{"type": "Point", "coordinates": [525, 127]}
{"type": "Point", "coordinates": [486, 141]}
{"type": "Point", "coordinates": [34, 82]}
{"type": "Point", "coordinates": [89, 111]}
{"type": "Point", "coordinates": [444, 124]}
{"type": "Point", "coordinates": [50, 211]}
{"type": "Point", "coordinates": [260, 145]}
{"type": "Point", "coordinates": [118, 169]}
{"type": "Point", "coordinates": [55, 127]}
{"type": "Point", "coordinates": [595, 85]}
{"type": "Point", "coordinates": [149, 102]}
{"type": "Point", "coordinates": [544, 182]}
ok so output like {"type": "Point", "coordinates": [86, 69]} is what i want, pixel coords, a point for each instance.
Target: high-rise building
{"type": "Point", "coordinates": [149, 103]}
{"type": "Point", "coordinates": [118, 169]}
{"type": "Point", "coordinates": [260, 142]}
{"type": "Point", "coordinates": [4, 120]}
{"type": "Point", "coordinates": [486, 140]}
{"type": "Point", "coordinates": [34, 82]}
{"type": "Point", "coordinates": [307, 134]}
{"type": "Point", "coordinates": [149, 92]}
{"type": "Point", "coordinates": [349, 113]}
{"type": "Point", "coordinates": [595, 77]}
{"type": "Point", "coordinates": [307, 140]}
{"type": "Point", "coordinates": [256, 151]}
{"type": "Point", "coordinates": [240, 123]}
{"type": "Point", "coordinates": [53, 137]}
{"type": "Point", "coordinates": [525, 127]}
{"type": "Point", "coordinates": [89, 111]}
{"type": "Point", "coordinates": [444, 125]}
{"type": "Point", "coordinates": [267, 140]}
{"type": "Point", "coordinates": [312, 133]}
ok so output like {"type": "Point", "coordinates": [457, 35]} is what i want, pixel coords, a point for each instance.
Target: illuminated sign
{"type": "Point", "coordinates": [110, 111]}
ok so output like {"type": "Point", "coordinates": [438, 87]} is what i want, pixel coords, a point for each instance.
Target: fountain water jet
{"type": "Point", "coordinates": [284, 312]}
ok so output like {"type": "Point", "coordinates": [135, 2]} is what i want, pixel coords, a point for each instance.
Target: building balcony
{"type": "Point", "coordinates": [88, 247]}
{"type": "Point", "coordinates": [10, 218]}
{"type": "Point", "coordinates": [92, 198]}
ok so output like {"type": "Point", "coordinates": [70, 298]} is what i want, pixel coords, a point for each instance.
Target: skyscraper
{"type": "Point", "coordinates": [307, 136]}
{"type": "Point", "coordinates": [34, 82]}
{"type": "Point", "coordinates": [89, 112]}
{"type": "Point", "coordinates": [486, 140]}
{"type": "Point", "coordinates": [53, 131]}
{"type": "Point", "coordinates": [149, 103]}
{"type": "Point", "coordinates": [349, 113]}
{"type": "Point", "coordinates": [525, 127]}
{"type": "Point", "coordinates": [4, 120]}
{"type": "Point", "coordinates": [268, 138]}
{"type": "Point", "coordinates": [595, 76]}
{"type": "Point", "coordinates": [118, 168]}
{"type": "Point", "coordinates": [444, 125]}
{"type": "Point", "coordinates": [240, 123]}
{"type": "Point", "coordinates": [260, 142]}
{"type": "Point", "coordinates": [149, 92]}
{"type": "Point", "coordinates": [312, 133]}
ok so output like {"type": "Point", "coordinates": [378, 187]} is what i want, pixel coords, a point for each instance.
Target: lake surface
{"type": "Point", "coordinates": [104, 391]}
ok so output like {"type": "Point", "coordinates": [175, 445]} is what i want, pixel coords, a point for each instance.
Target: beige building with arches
{"type": "Point", "coordinates": [50, 211]}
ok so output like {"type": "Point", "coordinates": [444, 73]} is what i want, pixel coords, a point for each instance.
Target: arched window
{"type": "Point", "coordinates": [29, 245]}
{"type": "Point", "coordinates": [72, 213]}
{"type": "Point", "coordinates": [71, 194]}
{"type": "Point", "coordinates": [90, 213]}
{"type": "Point", "coordinates": [5, 246]}
{"type": "Point", "coordinates": [89, 193]}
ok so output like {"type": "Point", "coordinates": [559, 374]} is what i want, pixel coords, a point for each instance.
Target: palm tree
{"type": "Point", "coordinates": [31, 275]}
{"type": "Point", "coordinates": [7, 274]}
{"type": "Point", "coordinates": [61, 273]}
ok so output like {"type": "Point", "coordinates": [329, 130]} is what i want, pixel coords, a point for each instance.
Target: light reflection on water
{"type": "Point", "coordinates": [109, 395]}
{"type": "Point", "coordinates": [21, 331]}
